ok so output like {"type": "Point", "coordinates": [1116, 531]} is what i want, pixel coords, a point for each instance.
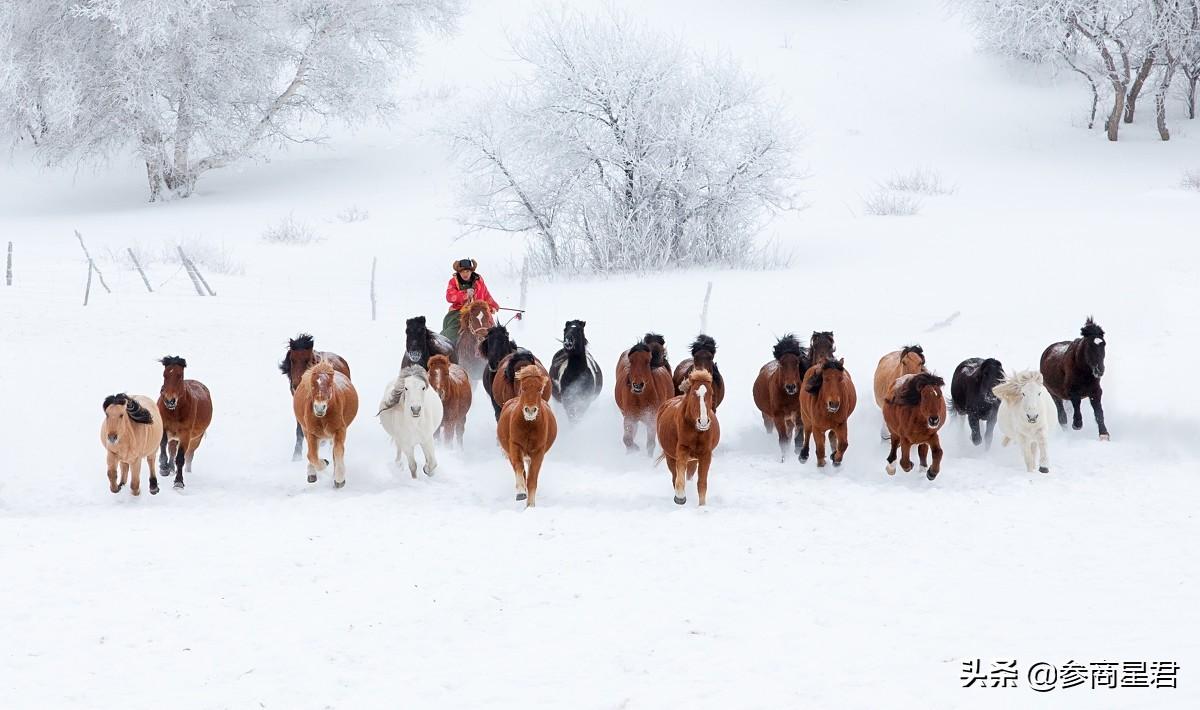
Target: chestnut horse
{"type": "Point", "coordinates": [299, 357]}
{"type": "Point", "coordinates": [688, 431]}
{"type": "Point", "coordinates": [186, 409]}
{"type": "Point", "coordinates": [777, 391]}
{"type": "Point", "coordinates": [474, 321]}
{"type": "Point", "coordinates": [451, 383]}
{"type": "Point", "coordinates": [914, 410]}
{"type": "Point", "coordinates": [130, 433]}
{"type": "Point", "coordinates": [325, 403]}
{"type": "Point", "coordinates": [527, 429]}
{"type": "Point", "coordinates": [704, 349]}
{"type": "Point", "coordinates": [641, 388]}
{"type": "Point", "coordinates": [504, 383]}
{"type": "Point", "coordinates": [1072, 370]}
{"type": "Point", "coordinates": [908, 360]}
{"type": "Point", "coordinates": [826, 403]}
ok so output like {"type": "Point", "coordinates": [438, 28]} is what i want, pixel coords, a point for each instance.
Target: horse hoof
{"type": "Point", "coordinates": [325, 461]}
{"type": "Point", "coordinates": [179, 484]}
{"type": "Point", "coordinates": [1076, 427]}
{"type": "Point", "coordinates": [428, 471]}
{"type": "Point", "coordinates": [312, 478]}
{"type": "Point", "coordinates": [891, 469]}
{"type": "Point", "coordinates": [522, 496]}
{"type": "Point", "coordinates": [339, 484]}
{"type": "Point", "coordinates": [837, 463]}
{"type": "Point", "coordinates": [803, 458]}
{"type": "Point", "coordinates": [680, 501]}
{"type": "Point", "coordinates": [1043, 469]}
{"type": "Point", "coordinates": [1104, 437]}
{"type": "Point", "coordinates": [153, 490]}
{"type": "Point", "coordinates": [930, 475]}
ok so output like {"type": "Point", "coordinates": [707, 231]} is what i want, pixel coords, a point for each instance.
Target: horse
{"type": "Point", "coordinates": [1025, 415]}
{"type": "Point", "coordinates": [908, 360]}
{"type": "Point", "coordinates": [420, 342]}
{"type": "Point", "coordinates": [575, 377]}
{"type": "Point", "coordinates": [504, 383]}
{"type": "Point", "coordinates": [474, 320]}
{"type": "Point", "coordinates": [299, 357]}
{"type": "Point", "coordinates": [186, 410]}
{"type": "Point", "coordinates": [826, 403]}
{"type": "Point", "coordinates": [130, 433]}
{"type": "Point", "coordinates": [453, 386]}
{"type": "Point", "coordinates": [1072, 370]}
{"type": "Point", "coordinates": [688, 431]}
{"type": "Point", "coordinates": [659, 358]}
{"type": "Point", "coordinates": [526, 430]}
{"type": "Point", "coordinates": [495, 346]}
{"type": "Point", "coordinates": [411, 417]}
{"type": "Point", "coordinates": [704, 349]}
{"type": "Point", "coordinates": [641, 388]}
{"type": "Point", "coordinates": [821, 346]}
{"type": "Point", "coordinates": [777, 391]}
{"type": "Point", "coordinates": [325, 404]}
{"type": "Point", "coordinates": [914, 410]}
{"type": "Point", "coordinates": [971, 395]}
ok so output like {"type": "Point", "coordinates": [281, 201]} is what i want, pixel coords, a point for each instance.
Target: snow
{"type": "Point", "coordinates": [793, 587]}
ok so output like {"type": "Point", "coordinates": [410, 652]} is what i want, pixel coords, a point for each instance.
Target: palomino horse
{"type": "Point", "coordinates": [504, 384]}
{"type": "Point", "coordinates": [914, 410]}
{"type": "Point", "coordinates": [474, 321]}
{"type": "Point", "coordinates": [688, 431]}
{"type": "Point", "coordinates": [826, 403]}
{"type": "Point", "coordinates": [908, 360]}
{"type": "Point", "coordinates": [130, 434]}
{"type": "Point", "coordinates": [574, 374]}
{"type": "Point", "coordinates": [777, 391]}
{"type": "Point", "coordinates": [1072, 370]}
{"type": "Point", "coordinates": [453, 386]}
{"type": "Point", "coordinates": [410, 414]}
{"type": "Point", "coordinates": [641, 388]}
{"type": "Point", "coordinates": [186, 409]}
{"type": "Point", "coordinates": [704, 349]}
{"type": "Point", "coordinates": [325, 403]}
{"type": "Point", "coordinates": [420, 342]}
{"type": "Point", "coordinates": [526, 430]}
{"type": "Point", "coordinates": [1025, 415]}
{"type": "Point", "coordinates": [971, 395]}
{"type": "Point", "coordinates": [299, 357]}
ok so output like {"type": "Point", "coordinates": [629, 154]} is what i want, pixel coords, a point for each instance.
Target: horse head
{"type": "Point", "coordinates": [640, 358]}
{"type": "Point", "coordinates": [1023, 390]}
{"type": "Point", "coordinates": [989, 374]}
{"type": "Point", "coordinates": [827, 383]}
{"type": "Point", "coordinates": [789, 353]}
{"type": "Point", "coordinates": [658, 349]}
{"type": "Point", "coordinates": [698, 400]}
{"type": "Point", "coordinates": [820, 345]}
{"type": "Point", "coordinates": [298, 358]}
{"type": "Point", "coordinates": [704, 349]}
{"type": "Point", "coordinates": [530, 383]}
{"type": "Point", "coordinates": [413, 383]}
{"type": "Point", "coordinates": [923, 392]}
{"type": "Point", "coordinates": [912, 359]}
{"type": "Point", "coordinates": [172, 389]}
{"type": "Point", "coordinates": [496, 344]}
{"type": "Point", "coordinates": [574, 340]}
{"type": "Point", "coordinates": [476, 319]}
{"type": "Point", "coordinates": [416, 339]}
{"type": "Point", "coordinates": [323, 388]}
{"type": "Point", "coordinates": [120, 412]}
{"type": "Point", "coordinates": [1092, 347]}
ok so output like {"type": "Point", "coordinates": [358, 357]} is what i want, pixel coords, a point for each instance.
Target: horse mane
{"type": "Point", "coordinates": [415, 371]}
{"type": "Point", "coordinates": [909, 394]}
{"type": "Point", "coordinates": [526, 371]}
{"type": "Point", "coordinates": [1010, 388]}
{"type": "Point", "coordinates": [415, 320]}
{"type": "Point", "coordinates": [170, 360]}
{"type": "Point", "coordinates": [825, 336]}
{"type": "Point", "coordinates": [119, 398]}
{"type": "Point", "coordinates": [438, 362]}
{"type": "Point", "coordinates": [137, 413]}
{"type": "Point", "coordinates": [321, 367]}
{"type": "Point", "coordinates": [703, 377]}
{"type": "Point", "coordinates": [1091, 330]}
{"type": "Point", "coordinates": [520, 359]}
{"type": "Point", "coordinates": [304, 341]}
{"type": "Point", "coordinates": [917, 349]}
{"type": "Point", "coordinates": [704, 343]}
{"type": "Point", "coordinates": [991, 369]}
{"type": "Point", "coordinates": [813, 384]}
{"type": "Point", "coordinates": [788, 345]}
{"type": "Point", "coordinates": [658, 349]}
{"type": "Point", "coordinates": [639, 347]}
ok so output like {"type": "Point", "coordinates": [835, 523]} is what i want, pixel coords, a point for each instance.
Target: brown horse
{"type": "Point", "coordinates": [130, 433]}
{"type": "Point", "coordinates": [325, 403]}
{"type": "Point", "coordinates": [186, 409]}
{"type": "Point", "coordinates": [821, 346]}
{"type": "Point", "coordinates": [641, 388]}
{"type": "Point", "coordinates": [451, 383]}
{"type": "Point", "coordinates": [299, 357]}
{"type": "Point", "coordinates": [704, 349]}
{"type": "Point", "coordinates": [527, 429]}
{"type": "Point", "coordinates": [914, 410]}
{"type": "Point", "coordinates": [1072, 370]}
{"type": "Point", "coordinates": [908, 360]}
{"type": "Point", "coordinates": [504, 383]}
{"type": "Point", "coordinates": [688, 431]}
{"type": "Point", "coordinates": [826, 403]}
{"type": "Point", "coordinates": [777, 391]}
{"type": "Point", "coordinates": [474, 321]}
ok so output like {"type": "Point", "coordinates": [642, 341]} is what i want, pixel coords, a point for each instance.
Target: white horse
{"type": "Point", "coordinates": [1026, 415]}
{"type": "Point", "coordinates": [410, 416]}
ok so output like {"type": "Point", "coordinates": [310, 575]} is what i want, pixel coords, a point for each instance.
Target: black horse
{"type": "Point", "coordinates": [1072, 369]}
{"type": "Point", "coordinates": [495, 345]}
{"type": "Point", "coordinates": [971, 394]}
{"type": "Point", "coordinates": [575, 377]}
{"type": "Point", "coordinates": [420, 343]}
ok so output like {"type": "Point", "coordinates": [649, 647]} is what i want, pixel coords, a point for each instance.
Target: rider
{"type": "Point", "coordinates": [464, 286]}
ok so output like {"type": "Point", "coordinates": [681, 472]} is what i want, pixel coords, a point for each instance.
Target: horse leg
{"type": "Point", "coordinates": [884, 432]}
{"type": "Point", "coordinates": [768, 423]}
{"type": "Point", "coordinates": [531, 480]}
{"type": "Point", "coordinates": [430, 456]}
{"type": "Point", "coordinates": [339, 458]}
{"type": "Point", "coordinates": [191, 451]}
{"type": "Point", "coordinates": [135, 476]}
{"type": "Point", "coordinates": [1077, 416]}
{"type": "Point", "coordinates": [843, 442]}
{"type": "Point", "coordinates": [702, 481]}
{"type": "Point", "coordinates": [411, 452]}
{"type": "Point", "coordinates": [651, 434]}
{"type": "Point", "coordinates": [458, 431]}
{"type": "Point", "coordinates": [124, 475]}
{"type": "Point", "coordinates": [111, 463]}
{"type": "Point", "coordinates": [1062, 411]}
{"type": "Point", "coordinates": [180, 451]}
{"type": "Point", "coordinates": [784, 430]}
{"type": "Point", "coordinates": [630, 430]}
{"type": "Point", "coordinates": [164, 464]}
{"type": "Point", "coordinates": [1043, 454]}
{"type": "Point", "coordinates": [906, 463]}
{"type": "Point", "coordinates": [922, 452]}
{"type": "Point", "coordinates": [801, 431]}
{"type": "Point", "coordinates": [803, 454]}
{"type": "Point", "coordinates": [936, 468]}
{"type": "Point", "coordinates": [1028, 453]}
{"type": "Point", "coordinates": [991, 427]}
{"type": "Point", "coordinates": [153, 478]}
{"type": "Point", "coordinates": [678, 468]}
{"type": "Point", "coordinates": [517, 459]}
{"type": "Point", "coordinates": [973, 420]}
{"type": "Point", "coordinates": [891, 459]}
{"type": "Point", "coordinates": [314, 464]}
{"type": "Point", "coordinates": [299, 438]}
{"type": "Point", "coordinates": [819, 437]}
{"type": "Point", "coordinates": [1098, 410]}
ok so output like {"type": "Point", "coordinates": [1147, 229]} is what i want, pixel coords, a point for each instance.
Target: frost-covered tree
{"type": "Point", "coordinates": [194, 85]}
{"type": "Point", "coordinates": [619, 149]}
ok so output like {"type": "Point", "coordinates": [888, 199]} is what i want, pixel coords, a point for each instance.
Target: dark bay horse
{"type": "Point", "coordinates": [826, 403]}
{"type": "Point", "coordinates": [777, 391]}
{"type": "Point", "coordinates": [1072, 369]}
{"type": "Point", "coordinates": [474, 321]}
{"type": "Point", "coordinates": [574, 374]}
{"type": "Point", "coordinates": [821, 347]}
{"type": "Point", "coordinates": [971, 395]}
{"type": "Point", "coordinates": [704, 350]}
{"type": "Point", "coordinates": [299, 357]}
{"type": "Point", "coordinates": [420, 342]}
{"type": "Point", "coordinates": [186, 409]}
{"type": "Point", "coordinates": [640, 389]}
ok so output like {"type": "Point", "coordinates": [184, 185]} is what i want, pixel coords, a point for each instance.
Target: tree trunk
{"type": "Point", "coordinates": [1135, 89]}
{"type": "Point", "coordinates": [1113, 124]}
{"type": "Point", "coordinates": [1191, 94]}
{"type": "Point", "coordinates": [1160, 98]}
{"type": "Point", "coordinates": [154, 177]}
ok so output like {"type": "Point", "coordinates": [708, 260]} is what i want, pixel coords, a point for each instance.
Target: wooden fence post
{"type": "Point", "coordinates": [91, 261]}
{"type": "Point", "coordinates": [374, 259]}
{"type": "Point", "coordinates": [8, 271]}
{"type": "Point", "coordinates": [704, 310]}
{"type": "Point", "coordinates": [139, 269]}
{"type": "Point", "coordinates": [87, 291]}
{"type": "Point", "coordinates": [187, 266]}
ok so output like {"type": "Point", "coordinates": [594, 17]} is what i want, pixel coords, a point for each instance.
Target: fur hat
{"type": "Point", "coordinates": [458, 264]}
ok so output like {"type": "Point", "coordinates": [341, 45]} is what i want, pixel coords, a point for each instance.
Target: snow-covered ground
{"type": "Point", "coordinates": [793, 587]}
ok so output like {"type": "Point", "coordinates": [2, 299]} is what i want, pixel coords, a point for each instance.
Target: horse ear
{"type": "Point", "coordinates": [842, 362]}
{"type": "Point", "coordinates": [420, 319]}
{"type": "Point", "coordinates": [582, 324]}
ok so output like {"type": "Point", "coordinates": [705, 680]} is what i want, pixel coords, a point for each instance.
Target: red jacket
{"type": "Point", "coordinates": [457, 297]}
